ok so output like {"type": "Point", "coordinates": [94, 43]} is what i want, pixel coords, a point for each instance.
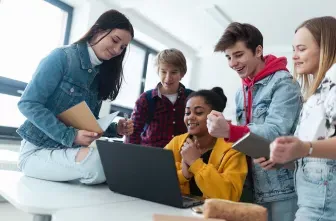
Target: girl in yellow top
{"type": "Point", "coordinates": [207, 166]}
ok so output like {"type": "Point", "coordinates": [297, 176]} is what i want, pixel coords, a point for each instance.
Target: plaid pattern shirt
{"type": "Point", "coordinates": [167, 121]}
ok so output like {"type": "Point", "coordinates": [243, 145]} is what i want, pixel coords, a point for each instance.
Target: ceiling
{"type": "Point", "coordinates": [190, 22]}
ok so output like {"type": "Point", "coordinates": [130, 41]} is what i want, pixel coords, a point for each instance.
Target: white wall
{"type": "Point", "coordinates": [84, 16]}
{"type": "Point", "coordinates": [282, 50]}
{"type": "Point", "coordinates": [80, 21]}
{"type": "Point", "coordinates": [213, 70]}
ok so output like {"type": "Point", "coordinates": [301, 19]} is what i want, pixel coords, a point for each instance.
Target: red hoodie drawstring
{"type": "Point", "coordinates": [248, 104]}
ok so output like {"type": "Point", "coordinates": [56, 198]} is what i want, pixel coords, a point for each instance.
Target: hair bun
{"type": "Point", "coordinates": [220, 92]}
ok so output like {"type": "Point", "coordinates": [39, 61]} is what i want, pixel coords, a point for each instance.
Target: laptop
{"type": "Point", "coordinates": [147, 173]}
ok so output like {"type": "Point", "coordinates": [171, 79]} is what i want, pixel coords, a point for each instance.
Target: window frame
{"type": "Point", "coordinates": [14, 87]}
{"type": "Point", "coordinates": [148, 51]}
{"type": "Point", "coordinates": [68, 9]}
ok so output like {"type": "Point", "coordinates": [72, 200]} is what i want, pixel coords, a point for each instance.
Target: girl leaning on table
{"type": "Point", "coordinates": [314, 144]}
{"type": "Point", "coordinates": [89, 70]}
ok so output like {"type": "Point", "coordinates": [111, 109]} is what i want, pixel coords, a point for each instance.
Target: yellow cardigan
{"type": "Point", "coordinates": [224, 175]}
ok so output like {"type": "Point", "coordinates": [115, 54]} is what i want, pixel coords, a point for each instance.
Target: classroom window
{"type": "Point", "coordinates": [138, 71]}
{"type": "Point", "coordinates": [31, 29]}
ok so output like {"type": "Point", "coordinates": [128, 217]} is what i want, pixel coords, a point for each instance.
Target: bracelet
{"type": "Point", "coordinates": [310, 148]}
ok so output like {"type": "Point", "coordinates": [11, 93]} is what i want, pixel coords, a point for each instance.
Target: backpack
{"type": "Point", "coordinates": [151, 106]}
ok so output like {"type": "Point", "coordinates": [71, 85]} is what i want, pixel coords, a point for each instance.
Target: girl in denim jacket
{"type": "Point", "coordinates": [314, 144]}
{"type": "Point", "coordinates": [89, 70]}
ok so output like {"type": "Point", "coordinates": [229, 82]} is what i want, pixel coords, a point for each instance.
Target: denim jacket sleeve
{"type": "Point", "coordinates": [283, 112]}
{"type": "Point", "coordinates": [32, 104]}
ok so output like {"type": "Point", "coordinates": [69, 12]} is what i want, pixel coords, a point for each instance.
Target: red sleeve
{"type": "Point", "coordinates": [138, 117]}
{"type": "Point", "coordinates": [237, 132]}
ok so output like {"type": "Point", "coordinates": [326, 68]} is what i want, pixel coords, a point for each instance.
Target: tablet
{"type": "Point", "coordinates": [253, 146]}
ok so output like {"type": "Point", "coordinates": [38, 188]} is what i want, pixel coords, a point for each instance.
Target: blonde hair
{"type": "Point", "coordinates": [172, 56]}
{"type": "Point", "coordinates": [323, 30]}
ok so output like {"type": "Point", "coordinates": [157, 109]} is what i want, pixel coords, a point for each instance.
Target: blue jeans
{"type": "Point", "coordinates": [60, 164]}
{"type": "Point", "coordinates": [316, 187]}
{"type": "Point", "coordinates": [283, 210]}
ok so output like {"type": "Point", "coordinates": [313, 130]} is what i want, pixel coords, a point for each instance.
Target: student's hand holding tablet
{"type": "Point", "coordinates": [264, 163]}
{"type": "Point", "coordinates": [257, 148]}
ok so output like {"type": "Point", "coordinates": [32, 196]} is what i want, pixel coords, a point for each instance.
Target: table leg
{"type": "Point", "coordinates": [41, 217]}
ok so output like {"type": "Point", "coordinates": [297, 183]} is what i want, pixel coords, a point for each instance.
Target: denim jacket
{"type": "Point", "coordinates": [63, 79]}
{"type": "Point", "coordinates": [276, 106]}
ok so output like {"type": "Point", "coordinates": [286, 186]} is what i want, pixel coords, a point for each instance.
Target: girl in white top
{"type": "Point", "coordinates": [314, 144]}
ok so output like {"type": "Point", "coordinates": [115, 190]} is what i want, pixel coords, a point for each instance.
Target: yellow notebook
{"type": "Point", "coordinates": [81, 117]}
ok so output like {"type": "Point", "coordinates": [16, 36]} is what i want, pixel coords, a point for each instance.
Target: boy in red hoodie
{"type": "Point", "coordinates": [268, 104]}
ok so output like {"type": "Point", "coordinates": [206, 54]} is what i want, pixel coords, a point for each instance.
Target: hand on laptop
{"type": "Point", "coordinates": [218, 125]}
{"type": "Point", "coordinates": [190, 151]}
{"type": "Point", "coordinates": [125, 127]}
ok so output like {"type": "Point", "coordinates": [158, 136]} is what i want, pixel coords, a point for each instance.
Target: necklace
{"type": "Point", "coordinates": [204, 150]}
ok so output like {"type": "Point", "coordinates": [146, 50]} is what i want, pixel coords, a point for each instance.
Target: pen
{"type": "Point", "coordinates": [126, 116]}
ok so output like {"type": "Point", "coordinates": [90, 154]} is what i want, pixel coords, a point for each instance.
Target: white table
{"type": "Point", "coordinates": [8, 160]}
{"type": "Point", "coordinates": [139, 210]}
{"type": "Point", "coordinates": [44, 198]}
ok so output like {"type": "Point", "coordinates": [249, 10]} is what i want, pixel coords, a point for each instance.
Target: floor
{"type": "Point", "coordinates": [10, 213]}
